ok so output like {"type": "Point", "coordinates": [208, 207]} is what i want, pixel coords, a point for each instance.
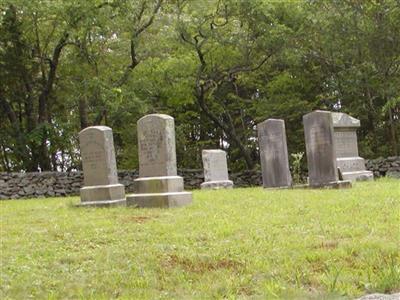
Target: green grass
{"type": "Point", "coordinates": [242, 243]}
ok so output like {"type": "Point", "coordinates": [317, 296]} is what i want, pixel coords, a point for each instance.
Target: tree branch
{"type": "Point", "coordinates": [48, 87]}
{"type": "Point", "coordinates": [12, 116]}
{"type": "Point", "coordinates": [239, 69]}
{"type": "Point", "coordinates": [133, 42]}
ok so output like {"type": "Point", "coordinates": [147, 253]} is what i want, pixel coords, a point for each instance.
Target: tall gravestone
{"type": "Point", "coordinates": [215, 170]}
{"type": "Point", "coordinates": [274, 154]}
{"type": "Point", "coordinates": [101, 187]}
{"type": "Point", "coordinates": [321, 152]}
{"type": "Point", "coordinates": [158, 184]}
{"type": "Point", "coordinates": [349, 162]}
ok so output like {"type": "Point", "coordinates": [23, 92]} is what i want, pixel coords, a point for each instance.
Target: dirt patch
{"type": "Point", "coordinates": [246, 290]}
{"type": "Point", "coordinates": [201, 265]}
{"type": "Point", "coordinates": [138, 219]}
{"type": "Point", "coordinates": [317, 267]}
{"type": "Point", "coordinates": [328, 245]}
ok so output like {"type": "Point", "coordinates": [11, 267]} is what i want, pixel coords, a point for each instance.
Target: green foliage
{"type": "Point", "coordinates": [296, 167]}
{"type": "Point", "coordinates": [242, 243]}
{"type": "Point", "coordinates": [218, 66]}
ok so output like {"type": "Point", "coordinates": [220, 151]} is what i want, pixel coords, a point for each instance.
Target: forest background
{"type": "Point", "coordinates": [218, 67]}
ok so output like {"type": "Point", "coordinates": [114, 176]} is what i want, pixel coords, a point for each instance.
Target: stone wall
{"type": "Point", "coordinates": [384, 166]}
{"type": "Point", "coordinates": [51, 184]}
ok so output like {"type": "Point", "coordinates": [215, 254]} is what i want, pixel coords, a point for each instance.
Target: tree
{"type": "Point", "coordinates": [356, 45]}
{"type": "Point", "coordinates": [217, 66]}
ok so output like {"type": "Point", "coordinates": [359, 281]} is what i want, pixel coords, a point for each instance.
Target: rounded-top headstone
{"type": "Point", "coordinates": [215, 165]}
{"type": "Point", "coordinates": [156, 138]}
{"type": "Point", "coordinates": [98, 156]}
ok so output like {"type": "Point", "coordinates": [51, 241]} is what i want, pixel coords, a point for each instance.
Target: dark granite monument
{"type": "Point", "coordinates": [321, 151]}
{"type": "Point", "coordinates": [274, 154]}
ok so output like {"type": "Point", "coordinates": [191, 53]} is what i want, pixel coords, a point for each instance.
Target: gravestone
{"type": "Point", "coordinates": [215, 170]}
{"type": "Point", "coordinates": [274, 154]}
{"type": "Point", "coordinates": [348, 161]}
{"type": "Point", "coordinates": [320, 148]}
{"type": "Point", "coordinates": [101, 187]}
{"type": "Point", "coordinates": [158, 184]}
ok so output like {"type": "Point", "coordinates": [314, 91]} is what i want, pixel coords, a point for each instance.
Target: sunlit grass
{"type": "Point", "coordinates": [241, 243]}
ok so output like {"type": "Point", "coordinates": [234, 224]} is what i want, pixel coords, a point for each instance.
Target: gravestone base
{"type": "Point", "coordinates": [102, 195]}
{"type": "Point", "coordinates": [353, 168]}
{"type": "Point", "coordinates": [216, 185]}
{"type": "Point", "coordinates": [163, 191]}
{"type": "Point", "coordinates": [109, 203]}
{"type": "Point", "coordinates": [271, 188]}
{"type": "Point", "coordinates": [340, 184]}
{"type": "Point", "coordinates": [348, 164]}
{"type": "Point", "coordinates": [161, 184]}
{"type": "Point", "coordinates": [358, 176]}
{"type": "Point", "coordinates": [300, 186]}
{"type": "Point", "coordinates": [161, 200]}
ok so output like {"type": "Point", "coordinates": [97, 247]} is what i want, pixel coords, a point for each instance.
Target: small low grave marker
{"type": "Point", "coordinates": [215, 170]}
{"type": "Point", "coordinates": [101, 187]}
{"type": "Point", "coordinates": [158, 184]}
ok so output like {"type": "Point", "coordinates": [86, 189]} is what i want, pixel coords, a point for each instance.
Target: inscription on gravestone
{"type": "Point", "coordinates": [346, 143]}
{"type": "Point", "coordinates": [150, 145]}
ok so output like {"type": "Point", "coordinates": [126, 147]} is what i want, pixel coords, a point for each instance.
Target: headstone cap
{"type": "Point", "coordinates": [271, 120]}
{"type": "Point", "coordinates": [318, 111]}
{"type": "Point", "coordinates": [325, 112]}
{"type": "Point", "coordinates": [213, 151]}
{"type": "Point", "coordinates": [99, 128]}
{"type": "Point", "coordinates": [344, 120]}
{"type": "Point", "coordinates": [161, 116]}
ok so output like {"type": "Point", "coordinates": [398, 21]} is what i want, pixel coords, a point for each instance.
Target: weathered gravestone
{"type": "Point", "coordinates": [158, 184]}
{"type": "Point", "coordinates": [215, 170]}
{"type": "Point", "coordinates": [101, 187]}
{"type": "Point", "coordinates": [320, 148]}
{"type": "Point", "coordinates": [350, 164]}
{"type": "Point", "coordinates": [274, 154]}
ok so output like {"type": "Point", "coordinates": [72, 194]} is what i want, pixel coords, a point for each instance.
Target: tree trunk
{"type": "Point", "coordinates": [229, 130]}
{"type": "Point", "coordinates": [99, 117]}
{"type": "Point", "coordinates": [83, 115]}
{"type": "Point", "coordinates": [393, 135]}
{"type": "Point", "coordinates": [45, 105]}
{"type": "Point", "coordinates": [20, 149]}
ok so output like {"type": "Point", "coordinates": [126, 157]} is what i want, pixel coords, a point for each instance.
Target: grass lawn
{"type": "Point", "coordinates": [242, 243]}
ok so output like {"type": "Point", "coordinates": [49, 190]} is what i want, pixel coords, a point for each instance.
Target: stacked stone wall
{"type": "Point", "coordinates": [384, 166]}
{"type": "Point", "coordinates": [53, 184]}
